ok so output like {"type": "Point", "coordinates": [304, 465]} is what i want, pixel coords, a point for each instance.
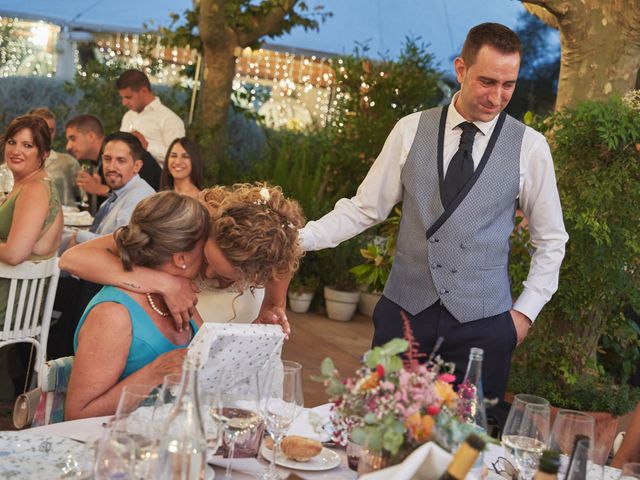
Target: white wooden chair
{"type": "Point", "coordinates": [28, 317]}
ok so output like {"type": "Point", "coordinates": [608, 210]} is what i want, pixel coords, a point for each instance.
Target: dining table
{"type": "Point", "coordinates": [50, 451]}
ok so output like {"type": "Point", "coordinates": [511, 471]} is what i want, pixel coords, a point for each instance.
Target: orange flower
{"type": "Point", "coordinates": [370, 382]}
{"type": "Point", "coordinates": [420, 427]}
{"type": "Point", "coordinates": [446, 393]}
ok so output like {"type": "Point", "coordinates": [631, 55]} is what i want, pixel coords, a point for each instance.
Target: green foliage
{"type": "Point", "coordinates": [373, 273]}
{"type": "Point", "coordinates": [587, 394]}
{"type": "Point", "coordinates": [387, 355]}
{"type": "Point", "coordinates": [96, 87]}
{"type": "Point", "coordinates": [304, 284]}
{"type": "Point", "coordinates": [599, 182]}
{"type": "Point", "coordinates": [319, 167]}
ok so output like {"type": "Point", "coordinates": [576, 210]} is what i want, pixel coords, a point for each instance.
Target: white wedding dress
{"type": "Point", "coordinates": [220, 306]}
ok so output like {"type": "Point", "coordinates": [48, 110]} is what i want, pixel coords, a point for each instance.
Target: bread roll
{"type": "Point", "coordinates": [300, 449]}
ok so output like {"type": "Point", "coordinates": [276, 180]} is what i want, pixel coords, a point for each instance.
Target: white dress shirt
{"type": "Point", "coordinates": [382, 189]}
{"type": "Point", "coordinates": [159, 125]}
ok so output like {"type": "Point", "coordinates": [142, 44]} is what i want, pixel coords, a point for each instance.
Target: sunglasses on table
{"type": "Point", "coordinates": [505, 468]}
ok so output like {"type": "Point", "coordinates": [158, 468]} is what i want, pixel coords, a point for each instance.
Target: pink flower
{"type": "Point", "coordinates": [447, 377]}
{"type": "Point", "coordinates": [380, 370]}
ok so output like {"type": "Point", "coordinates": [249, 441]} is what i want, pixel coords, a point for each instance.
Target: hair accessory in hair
{"type": "Point", "coordinates": [265, 196]}
{"type": "Point", "coordinates": [288, 225]}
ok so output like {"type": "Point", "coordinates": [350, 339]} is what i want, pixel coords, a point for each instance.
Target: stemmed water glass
{"type": "Point", "coordinates": [282, 403]}
{"type": "Point", "coordinates": [208, 401]}
{"type": "Point", "coordinates": [526, 433]}
{"type": "Point", "coordinates": [237, 409]}
{"type": "Point", "coordinates": [567, 425]}
{"type": "Point", "coordinates": [133, 419]}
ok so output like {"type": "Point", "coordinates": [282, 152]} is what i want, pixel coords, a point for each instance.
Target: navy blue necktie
{"type": "Point", "coordinates": [461, 166]}
{"type": "Point", "coordinates": [104, 209]}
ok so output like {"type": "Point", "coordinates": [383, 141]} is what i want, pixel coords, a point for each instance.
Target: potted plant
{"type": "Point", "coordinates": [372, 275]}
{"type": "Point", "coordinates": [301, 291]}
{"type": "Point", "coordinates": [341, 298]}
{"type": "Point", "coordinates": [598, 173]}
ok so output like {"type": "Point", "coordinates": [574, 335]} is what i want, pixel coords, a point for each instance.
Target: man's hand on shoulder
{"type": "Point", "coordinates": [140, 137]}
{"type": "Point", "coordinates": [522, 324]}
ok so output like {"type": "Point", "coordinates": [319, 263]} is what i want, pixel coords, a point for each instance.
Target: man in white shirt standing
{"type": "Point", "coordinates": [461, 171]}
{"type": "Point", "coordinates": [148, 119]}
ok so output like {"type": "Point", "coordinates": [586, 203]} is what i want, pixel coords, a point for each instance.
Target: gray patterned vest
{"type": "Point", "coordinates": [459, 255]}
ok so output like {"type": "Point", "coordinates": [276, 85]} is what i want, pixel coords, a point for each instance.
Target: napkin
{"type": "Point", "coordinates": [223, 348]}
{"type": "Point", "coordinates": [310, 423]}
{"type": "Point", "coordinates": [78, 219]}
{"type": "Point", "coordinates": [426, 463]}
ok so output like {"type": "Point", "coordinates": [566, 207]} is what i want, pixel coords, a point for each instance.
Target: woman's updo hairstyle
{"type": "Point", "coordinates": [256, 227]}
{"type": "Point", "coordinates": [161, 225]}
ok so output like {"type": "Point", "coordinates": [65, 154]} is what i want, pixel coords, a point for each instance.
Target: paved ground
{"type": "Point", "coordinates": [315, 337]}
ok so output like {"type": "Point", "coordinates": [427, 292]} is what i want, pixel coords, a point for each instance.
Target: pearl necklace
{"type": "Point", "coordinates": [155, 308]}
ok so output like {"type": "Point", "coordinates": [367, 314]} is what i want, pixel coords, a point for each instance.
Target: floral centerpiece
{"type": "Point", "coordinates": [394, 402]}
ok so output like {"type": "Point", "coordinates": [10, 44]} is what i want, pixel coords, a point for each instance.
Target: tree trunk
{"type": "Point", "coordinates": [600, 41]}
{"type": "Point", "coordinates": [219, 70]}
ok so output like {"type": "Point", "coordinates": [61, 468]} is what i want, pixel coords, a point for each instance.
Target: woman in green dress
{"type": "Point", "coordinates": [30, 215]}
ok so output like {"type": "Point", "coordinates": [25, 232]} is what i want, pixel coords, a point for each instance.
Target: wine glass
{"type": "Point", "coordinates": [134, 419]}
{"type": "Point", "coordinates": [281, 404]}
{"type": "Point", "coordinates": [208, 401]}
{"type": "Point", "coordinates": [237, 409]}
{"type": "Point", "coordinates": [526, 433]}
{"type": "Point", "coordinates": [114, 456]}
{"type": "Point", "coordinates": [567, 425]}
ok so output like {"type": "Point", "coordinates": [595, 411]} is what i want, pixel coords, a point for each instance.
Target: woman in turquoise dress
{"type": "Point", "coordinates": [30, 215]}
{"type": "Point", "coordinates": [127, 338]}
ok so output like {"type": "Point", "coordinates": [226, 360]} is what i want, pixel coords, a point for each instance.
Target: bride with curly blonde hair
{"type": "Point", "coordinates": [252, 242]}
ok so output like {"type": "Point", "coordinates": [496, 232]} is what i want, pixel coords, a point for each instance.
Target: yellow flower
{"type": "Point", "coordinates": [446, 393]}
{"type": "Point", "coordinates": [420, 427]}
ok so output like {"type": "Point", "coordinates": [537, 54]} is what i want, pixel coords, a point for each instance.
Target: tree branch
{"type": "Point", "coordinates": [549, 11]}
{"type": "Point", "coordinates": [269, 24]}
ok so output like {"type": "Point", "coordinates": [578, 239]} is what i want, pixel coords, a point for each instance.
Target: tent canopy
{"type": "Point", "coordinates": [97, 15]}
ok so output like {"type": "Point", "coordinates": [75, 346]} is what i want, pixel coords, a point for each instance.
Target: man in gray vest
{"type": "Point", "coordinates": [461, 171]}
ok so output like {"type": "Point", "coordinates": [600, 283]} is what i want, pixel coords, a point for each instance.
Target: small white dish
{"type": "Point", "coordinates": [325, 460]}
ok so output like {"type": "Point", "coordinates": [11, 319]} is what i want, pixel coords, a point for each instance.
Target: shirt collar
{"type": "Point", "coordinates": [152, 105]}
{"type": "Point", "coordinates": [127, 186]}
{"type": "Point", "coordinates": [455, 118]}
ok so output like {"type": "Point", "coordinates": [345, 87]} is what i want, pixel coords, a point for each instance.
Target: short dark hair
{"type": "Point", "coordinates": [135, 147]}
{"type": "Point", "coordinates": [39, 131]}
{"type": "Point", "coordinates": [86, 123]}
{"type": "Point", "coordinates": [495, 35]}
{"type": "Point", "coordinates": [197, 166]}
{"type": "Point", "coordinates": [43, 112]}
{"type": "Point", "coordinates": [133, 79]}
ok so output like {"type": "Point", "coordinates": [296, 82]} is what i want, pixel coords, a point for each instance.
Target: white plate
{"type": "Point", "coordinates": [27, 455]}
{"type": "Point", "coordinates": [325, 460]}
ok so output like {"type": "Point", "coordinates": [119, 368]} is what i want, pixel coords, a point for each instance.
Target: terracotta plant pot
{"type": "Point", "coordinates": [368, 302]}
{"type": "Point", "coordinates": [299, 302]}
{"type": "Point", "coordinates": [340, 305]}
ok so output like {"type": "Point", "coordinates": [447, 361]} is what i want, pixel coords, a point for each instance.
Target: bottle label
{"type": "Point", "coordinates": [462, 461]}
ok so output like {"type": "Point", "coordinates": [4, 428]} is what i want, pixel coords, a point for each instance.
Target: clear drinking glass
{"type": "Point", "coordinates": [134, 419]}
{"type": "Point", "coordinates": [209, 402]}
{"type": "Point", "coordinates": [567, 425]}
{"type": "Point", "coordinates": [281, 404]}
{"type": "Point", "coordinates": [237, 410]}
{"type": "Point", "coordinates": [526, 433]}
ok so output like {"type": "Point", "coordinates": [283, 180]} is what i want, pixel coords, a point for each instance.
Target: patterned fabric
{"type": "Point", "coordinates": [464, 262]}
{"type": "Point", "coordinates": [461, 166]}
{"type": "Point", "coordinates": [147, 342]}
{"type": "Point", "coordinates": [54, 392]}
